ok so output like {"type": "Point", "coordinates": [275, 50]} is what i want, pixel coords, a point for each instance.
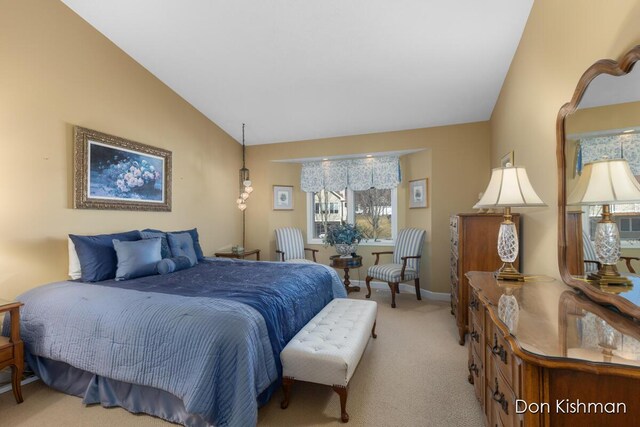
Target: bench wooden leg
{"type": "Point", "coordinates": [373, 330]}
{"type": "Point", "coordinates": [286, 388]}
{"type": "Point", "coordinates": [367, 281]}
{"type": "Point", "coordinates": [418, 293]}
{"type": "Point", "coordinates": [342, 392]}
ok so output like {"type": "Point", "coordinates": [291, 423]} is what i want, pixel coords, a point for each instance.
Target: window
{"type": "Point", "coordinates": [373, 210]}
{"type": "Point", "coordinates": [627, 216]}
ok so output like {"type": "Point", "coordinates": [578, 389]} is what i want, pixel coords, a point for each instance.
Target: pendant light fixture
{"type": "Point", "coordinates": [245, 182]}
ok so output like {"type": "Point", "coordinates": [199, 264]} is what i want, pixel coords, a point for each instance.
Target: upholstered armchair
{"type": "Point", "coordinates": [290, 246]}
{"type": "Point", "coordinates": [405, 266]}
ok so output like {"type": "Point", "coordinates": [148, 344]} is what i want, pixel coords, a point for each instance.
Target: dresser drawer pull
{"type": "Point", "coordinates": [474, 304]}
{"type": "Point", "coordinates": [474, 368]}
{"type": "Point", "coordinates": [499, 350]}
{"type": "Point", "coordinates": [499, 397]}
{"type": "Point", "coordinates": [475, 336]}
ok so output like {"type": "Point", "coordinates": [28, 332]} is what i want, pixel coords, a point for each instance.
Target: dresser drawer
{"type": "Point", "coordinates": [505, 402]}
{"type": "Point", "coordinates": [6, 353]}
{"type": "Point", "coordinates": [476, 370]}
{"type": "Point", "coordinates": [476, 339]}
{"type": "Point", "coordinates": [505, 361]}
{"type": "Point", "coordinates": [476, 309]}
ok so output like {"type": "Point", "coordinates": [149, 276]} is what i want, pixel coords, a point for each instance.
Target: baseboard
{"type": "Point", "coordinates": [7, 387]}
{"type": "Point", "coordinates": [434, 296]}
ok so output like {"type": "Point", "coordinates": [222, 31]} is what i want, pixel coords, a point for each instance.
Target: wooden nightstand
{"type": "Point", "coordinates": [241, 255]}
{"type": "Point", "coordinates": [11, 348]}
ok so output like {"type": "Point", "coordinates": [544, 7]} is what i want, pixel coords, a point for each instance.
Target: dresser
{"type": "Point", "coordinates": [542, 354]}
{"type": "Point", "coordinates": [474, 242]}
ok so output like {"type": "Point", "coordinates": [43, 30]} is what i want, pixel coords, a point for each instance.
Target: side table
{"type": "Point", "coordinates": [12, 348]}
{"type": "Point", "coordinates": [241, 255]}
{"type": "Point", "coordinates": [346, 264]}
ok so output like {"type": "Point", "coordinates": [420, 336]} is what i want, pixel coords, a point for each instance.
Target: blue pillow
{"type": "Point", "coordinates": [164, 244]}
{"type": "Point", "coordinates": [137, 259]}
{"type": "Point", "coordinates": [194, 235]}
{"type": "Point", "coordinates": [169, 265]}
{"type": "Point", "coordinates": [181, 244]}
{"type": "Point", "coordinates": [98, 259]}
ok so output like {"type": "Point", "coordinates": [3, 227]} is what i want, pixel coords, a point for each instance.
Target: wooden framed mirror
{"type": "Point", "coordinates": [602, 120]}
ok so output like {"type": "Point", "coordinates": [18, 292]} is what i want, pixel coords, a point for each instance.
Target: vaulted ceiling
{"type": "Point", "coordinates": [297, 70]}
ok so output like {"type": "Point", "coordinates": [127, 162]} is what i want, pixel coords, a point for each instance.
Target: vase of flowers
{"type": "Point", "coordinates": [345, 238]}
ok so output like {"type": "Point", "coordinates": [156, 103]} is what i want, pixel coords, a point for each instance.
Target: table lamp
{"type": "Point", "coordinates": [604, 182]}
{"type": "Point", "coordinates": [509, 187]}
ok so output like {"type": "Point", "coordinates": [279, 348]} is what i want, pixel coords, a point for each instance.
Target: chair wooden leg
{"type": "Point", "coordinates": [394, 289]}
{"type": "Point", "coordinates": [342, 392]}
{"type": "Point", "coordinates": [373, 330]}
{"type": "Point", "coordinates": [367, 281]}
{"type": "Point", "coordinates": [418, 293]}
{"type": "Point", "coordinates": [286, 388]}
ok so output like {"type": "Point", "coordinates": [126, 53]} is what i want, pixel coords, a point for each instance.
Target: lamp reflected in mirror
{"type": "Point", "coordinates": [606, 182]}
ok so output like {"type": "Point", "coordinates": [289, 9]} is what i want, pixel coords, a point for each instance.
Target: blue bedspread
{"type": "Point", "coordinates": [211, 335]}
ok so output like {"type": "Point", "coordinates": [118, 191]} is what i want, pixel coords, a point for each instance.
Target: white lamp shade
{"type": "Point", "coordinates": [604, 182]}
{"type": "Point", "coordinates": [509, 187]}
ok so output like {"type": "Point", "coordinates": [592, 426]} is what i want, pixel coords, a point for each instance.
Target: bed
{"type": "Point", "coordinates": [196, 347]}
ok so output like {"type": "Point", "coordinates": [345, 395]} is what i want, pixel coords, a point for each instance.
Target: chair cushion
{"type": "Point", "coordinates": [289, 240]}
{"type": "Point", "coordinates": [301, 261]}
{"type": "Point", "coordinates": [409, 243]}
{"type": "Point", "coordinates": [391, 273]}
{"type": "Point", "coordinates": [327, 350]}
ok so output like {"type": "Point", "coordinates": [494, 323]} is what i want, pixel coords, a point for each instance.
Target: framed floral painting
{"type": "Point", "coordinates": [116, 173]}
{"type": "Point", "coordinates": [282, 197]}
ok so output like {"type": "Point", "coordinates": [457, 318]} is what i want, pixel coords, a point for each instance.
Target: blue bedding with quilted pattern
{"type": "Point", "coordinates": [210, 335]}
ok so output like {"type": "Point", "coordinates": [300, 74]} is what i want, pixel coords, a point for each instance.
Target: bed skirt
{"type": "Point", "coordinates": [109, 393]}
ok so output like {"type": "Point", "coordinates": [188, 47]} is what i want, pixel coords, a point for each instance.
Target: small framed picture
{"type": "Point", "coordinates": [282, 197]}
{"type": "Point", "coordinates": [507, 158]}
{"type": "Point", "coordinates": [418, 193]}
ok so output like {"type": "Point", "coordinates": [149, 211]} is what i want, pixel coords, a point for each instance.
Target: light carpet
{"type": "Point", "coordinates": [413, 374]}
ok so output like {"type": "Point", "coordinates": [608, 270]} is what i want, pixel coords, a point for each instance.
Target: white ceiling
{"type": "Point", "coordinates": [296, 70]}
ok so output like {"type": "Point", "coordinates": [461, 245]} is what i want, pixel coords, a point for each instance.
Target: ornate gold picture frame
{"type": "Point", "coordinates": [115, 173]}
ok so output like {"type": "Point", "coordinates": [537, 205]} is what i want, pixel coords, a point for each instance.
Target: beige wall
{"type": "Point", "coordinates": [455, 160]}
{"type": "Point", "coordinates": [561, 40]}
{"type": "Point", "coordinates": [56, 71]}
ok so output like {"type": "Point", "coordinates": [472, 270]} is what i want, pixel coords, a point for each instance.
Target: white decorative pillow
{"type": "Point", "coordinates": [75, 271]}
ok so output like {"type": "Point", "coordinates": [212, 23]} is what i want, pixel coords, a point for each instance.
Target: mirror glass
{"type": "Point", "coordinates": [606, 124]}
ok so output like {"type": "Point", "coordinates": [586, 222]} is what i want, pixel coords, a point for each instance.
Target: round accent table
{"type": "Point", "coordinates": [346, 264]}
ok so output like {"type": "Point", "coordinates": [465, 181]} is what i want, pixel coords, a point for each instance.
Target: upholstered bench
{"type": "Point", "coordinates": [328, 349]}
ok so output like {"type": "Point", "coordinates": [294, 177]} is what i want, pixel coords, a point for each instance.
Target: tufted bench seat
{"type": "Point", "coordinates": [328, 349]}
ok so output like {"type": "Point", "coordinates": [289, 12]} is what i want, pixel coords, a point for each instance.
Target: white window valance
{"type": "Point", "coordinates": [611, 147]}
{"type": "Point", "coordinates": [355, 174]}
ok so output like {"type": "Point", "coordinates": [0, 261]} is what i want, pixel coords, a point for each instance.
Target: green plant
{"type": "Point", "coordinates": [343, 234]}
